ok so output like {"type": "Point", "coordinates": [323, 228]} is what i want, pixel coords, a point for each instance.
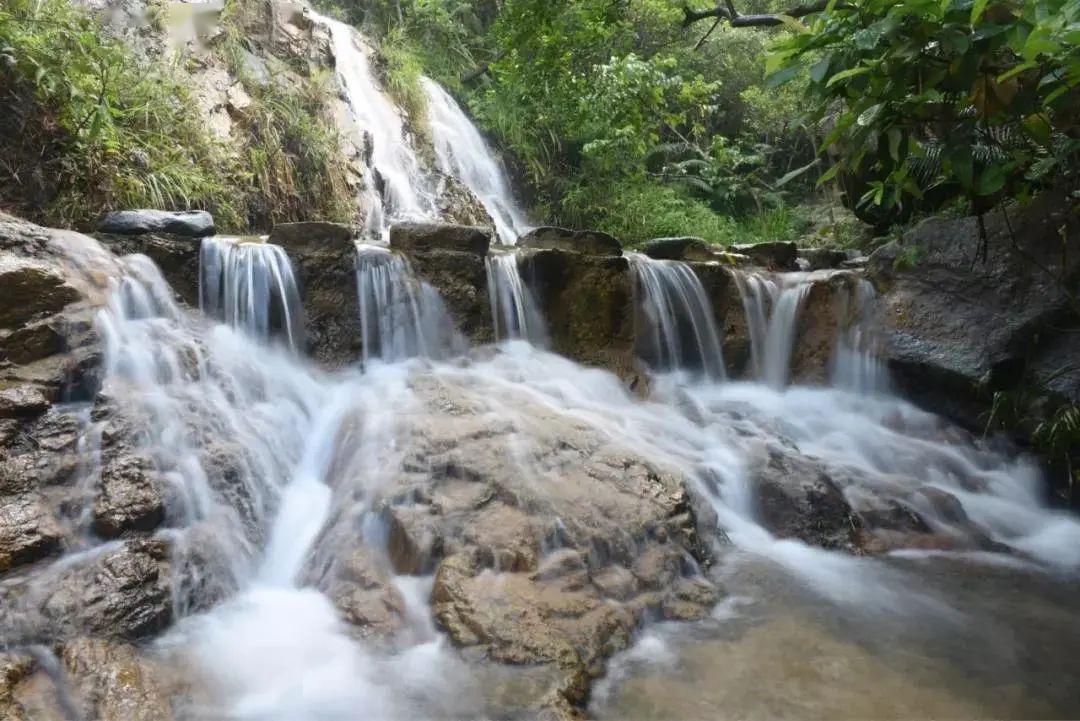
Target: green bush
{"type": "Point", "coordinates": [97, 127]}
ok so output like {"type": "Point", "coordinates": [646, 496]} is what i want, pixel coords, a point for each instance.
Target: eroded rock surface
{"type": "Point", "coordinates": [191, 223]}
{"type": "Point", "coordinates": [586, 242]}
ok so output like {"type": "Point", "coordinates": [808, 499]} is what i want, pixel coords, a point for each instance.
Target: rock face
{"type": "Point", "coordinates": [323, 257]}
{"type": "Point", "coordinates": [588, 304]}
{"type": "Point", "coordinates": [311, 235]}
{"type": "Point", "coordinates": [176, 256]}
{"type": "Point", "coordinates": [193, 223]}
{"type": "Point", "coordinates": [693, 249]}
{"type": "Point", "coordinates": [451, 259]}
{"type": "Point", "coordinates": [587, 242]}
{"type": "Point", "coordinates": [965, 320]}
{"type": "Point", "coordinates": [776, 255]}
{"type": "Point", "coordinates": [418, 237]}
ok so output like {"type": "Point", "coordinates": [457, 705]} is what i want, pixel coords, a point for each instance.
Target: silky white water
{"type": "Point", "coordinates": [513, 308]}
{"type": "Point", "coordinates": [250, 285]}
{"type": "Point", "coordinates": [398, 187]}
{"type": "Point", "coordinates": [462, 153]}
{"type": "Point", "coordinates": [274, 465]}
{"type": "Point", "coordinates": [677, 327]}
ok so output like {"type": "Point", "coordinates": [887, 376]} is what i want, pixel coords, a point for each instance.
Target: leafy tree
{"type": "Point", "coordinates": [927, 101]}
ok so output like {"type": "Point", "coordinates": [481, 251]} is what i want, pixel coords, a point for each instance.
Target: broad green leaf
{"type": "Point", "coordinates": [977, 11]}
{"type": "Point", "coordinates": [895, 137]}
{"type": "Point", "coordinates": [869, 115]}
{"type": "Point", "coordinates": [991, 180]}
{"type": "Point", "coordinates": [845, 74]}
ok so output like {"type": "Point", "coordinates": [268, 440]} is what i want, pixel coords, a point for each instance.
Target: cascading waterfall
{"type": "Point", "coordinates": [783, 328]}
{"type": "Point", "coordinates": [772, 307]}
{"type": "Point", "coordinates": [401, 316]}
{"type": "Point", "coordinates": [857, 361]}
{"type": "Point", "coordinates": [249, 284]}
{"type": "Point", "coordinates": [680, 329]}
{"type": "Point", "coordinates": [462, 153]}
{"type": "Point", "coordinates": [401, 190]}
{"type": "Point", "coordinates": [268, 462]}
{"type": "Point", "coordinates": [513, 307]}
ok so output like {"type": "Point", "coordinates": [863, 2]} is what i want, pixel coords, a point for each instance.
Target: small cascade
{"type": "Point", "coordinates": [857, 363]}
{"type": "Point", "coordinates": [513, 308]}
{"type": "Point", "coordinates": [401, 189]}
{"type": "Point", "coordinates": [757, 293]}
{"type": "Point", "coordinates": [463, 154]}
{"type": "Point", "coordinates": [680, 329]}
{"type": "Point", "coordinates": [772, 306]}
{"type": "Point", "coordinates": [401, 316]}
{"type": "Point", "coordinates": [251, 286]}
{"type": "Point", "coordinates": [783, 329]}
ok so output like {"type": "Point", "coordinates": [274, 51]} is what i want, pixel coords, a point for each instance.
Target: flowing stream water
{"type": "Point", "coordinates": [463, 153]}
{"type": "Point", "coordinates": [275, 467]}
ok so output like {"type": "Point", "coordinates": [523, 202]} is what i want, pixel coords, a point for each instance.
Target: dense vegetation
{"type": "Point", "coordinates": [91, 125]}
{"type": "Point", "coordinates": [617, 115]}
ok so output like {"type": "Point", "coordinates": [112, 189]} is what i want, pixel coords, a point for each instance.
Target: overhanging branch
{"type": "Point", "coordinates": [727, 11]}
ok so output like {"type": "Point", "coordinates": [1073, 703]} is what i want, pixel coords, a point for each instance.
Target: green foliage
{"type": "Point", "coordinates": [930, 100]}
{"type": "Point", "coordinates": [98, 128]}
{"type": "Point", "coordinates": [293, 153]}
{"type": "Point", "coordinates": [402, 72]}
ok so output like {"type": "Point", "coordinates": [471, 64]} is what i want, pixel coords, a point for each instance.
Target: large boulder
{"type": "Point", "coordinates": [414, 238]}
{"type": "Point", "coordinates": [32, 288]}
{"type": "Point", "coordinates": [968, 316]}
{"type": "Point", "coordinates": [588, 303]}
{"type": "Point", "coordinates": [312, 235]}
{"type": "Point", "coordinates": [773, 255]}
{"type": "Point", "coordinates": [694, 249]}
{"type": "Point", "coordinates": [189, 223]}
{"type": "Point", "coordinates": [176, 256]}
{"type": "Point", "coordinates": [323, 256]}
{"type": "Point", "coordinates": [586, 242]}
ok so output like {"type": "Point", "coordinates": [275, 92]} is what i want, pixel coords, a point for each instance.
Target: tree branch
{"type": "Point", "coordinates": [728, 12]}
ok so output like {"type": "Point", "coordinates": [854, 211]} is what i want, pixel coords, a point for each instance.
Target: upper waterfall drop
{"type": "Point", "coordinates": [462, 152]}
{"type": "Point", "coordinates": [680, 327]}
{"type": "Point", "coordinates": [404, 191]}
{"type": "Point", "coordinates": [250, 285]}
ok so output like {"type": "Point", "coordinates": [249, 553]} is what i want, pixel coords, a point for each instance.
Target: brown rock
{"type": "Point", "coordinates": [28, 531]}
{"type": "Point", "coordinates": [128, 498]}
{"type": "Point", "coordinates": [313, 235]}
{"type": "Point", "coordinates": [32, 288]}
{"type": "Point", "coordinates": [22, 401]}
{"type": "Point", "coordinates": [586, 242]}
{"type": "Point", "coordinates": [418, 237]}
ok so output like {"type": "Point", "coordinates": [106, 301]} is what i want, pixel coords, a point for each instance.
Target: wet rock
{"type": "Point", "coordinates": [128, 498]}
{"type": "Point", "coordinates": [188, 223]}
{"type": "Point", "coordinates": [122, 593]}
{"type": "Point", "coordinates": [797, 499]}
{"type": "Point", "coordinates": [176, 256]}
{"type": "Point", "coordinates": [325, 267]}
{"type": "Point", "coordinates": [418, 237]}
{"type": "Point", "coordinates": [14, 668]}
{"type": "Point", "coordinates": [586, 242]}
{"type": "Point", "coordinates": [775, 255]}
{"type": "Point", "coordinates": [313, 235]}
{"type": "Point", "coordinates": [966, 318]}
{"type": "Point", "coordinates": [461, 279]}
{"type": "Point", "coordinates": [363, 592]}
{"type": "Point", "coordinates": [115, 682]}
{"type": "Point", "coordinates": [693, 249]}
{"type": "Point", "coordinates": [28, 531]}
{"type": "Point", "coordinates": [22, 401]}
{"type": "Point", "coordinates": [823, 258]}
{"type": "Point", "coordinates": [32, 288]}
{"type": "Point", "coordinates": [587, 302]}
{"type": "Point", "coordinates": [32, 342]}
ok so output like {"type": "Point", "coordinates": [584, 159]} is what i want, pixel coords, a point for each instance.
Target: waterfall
{"type": "Point", "coordinates": [857, 362]}
{"type": "Point", "coordinates": [462, 153]}
{"type": "Point", "coordinates": [681, 330]}
{"type": "Point", "coordinates": [757, 293]}
{"type": "Point", "coordinates": [783, 329]}
{"type": "Point", "coordinates": [401, 316]}
{"type": "Point", "coordinates": [397, 188]}
{"type": "Point", "coordinates": [250, 285]}
{"type": "Point", "coordinates": [772, 308]}
{"type": "Point", "coordinates": [513, 308]}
